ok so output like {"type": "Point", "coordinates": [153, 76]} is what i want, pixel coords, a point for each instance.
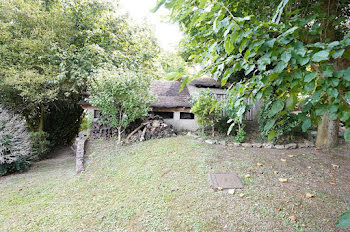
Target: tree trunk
{"type": "Point", "coordinates": [119, 135]}
{"type": "Point", "coordinates": [42, 118]}
{"type": "Point", "coordinates": [327, 132]}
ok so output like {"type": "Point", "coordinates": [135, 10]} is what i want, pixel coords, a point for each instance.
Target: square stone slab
{"type": "Point", "coordinates": [229, 180]}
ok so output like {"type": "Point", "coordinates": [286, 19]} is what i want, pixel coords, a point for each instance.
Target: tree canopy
{"type": "Point", "coordinates": [50, 50]}
{"type": "Point", "coordinates": [296, 50]}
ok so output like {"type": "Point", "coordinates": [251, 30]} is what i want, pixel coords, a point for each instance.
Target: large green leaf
{"type": "Point", "coordinates": [306, 125]}
{"type": "Point", "coordinates": [347, 134]}
{"type": "Point", "coordinates": [269, 124]}
{"type": "Point", "coordinates": [310, 76]}
{"type": "Point", "coordinates": [320, 56]}
{"type": "Point", "coordinates": [338, 53]}
{"type": "Point", "coordinates": [344, 219]}
{"type": "Point", "coordinates": [291, 102]}
{"type": "Point", "coordinates": [228, 46]}
{"type": "Point", "coordinates": [271, 136]}
{"type": "Point", "coordinates": [277, 107]}
{"type": "Point", "coordinates": [347, 97]}
{"type": "Point", "coordinates": [286, 56]}
{"type": "Point", "coordinates": [347, 74]}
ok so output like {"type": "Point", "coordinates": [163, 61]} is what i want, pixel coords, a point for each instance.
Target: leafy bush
{"type": "Point", "coordinates": [207, 108]}
{"type": "Point", "coordinates": [289, 124]}
{"type": "Point", "coordinates": [62, 123]}
{"type": "Point", "coordinates": [15, 143]}
{"type": "Point", "coordinates": [86, 123]}
{"type": "Point", "coordinates": [41, 146]}
{"type": "Point", "coordinates": [240, 136]}
{"type": "Point", "coordinates": [122, 95]}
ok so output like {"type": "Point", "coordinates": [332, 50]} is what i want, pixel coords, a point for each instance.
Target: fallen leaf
{"type": "Point", "coordinates": [247, 176]}
{"type": "Point", "coordinates": [283, 160]}
{"type": "Point", "coordinates": [309, 195]}
{"type": "Point", "coordinates": [276, 172]}
{"type": "Point", "coordinates": [241, 195]}
{"type": "Point", "coordinates": [283, 180]}
{"type": "Point", "coordinates": [331, 175]}
{"type": "Point", "coordinates": [219, 188]}
{"type": "Point", "coordinates": [335, 166]}
{"type": "Point", "coordinates": [286, 200]}
{"type": "Point", "coordinates": [302, 174]}
{"type": "Point", "coordinates": [292, 218]}
{"type": "Point", "coordinates": [259, 164]}
{"type": "Point", "coordinates": [278, 209]}
{"type": "Point", "coordinates": [231, 191]}
{"type": "Point", "coordinates": [250, 169]}
{"type": "Point", "coordinates": [291, 156]}
{"type": "Point", "coordinates": [332, 183]}
{"type": "Point", "coordinates": [243, 148]}
{"type": "Point", "coordinates": [308, 167]}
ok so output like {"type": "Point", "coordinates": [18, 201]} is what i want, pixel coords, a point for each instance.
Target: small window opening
{"type": "Point", "coordinates": [165, 115]}
{"type": "Point", "coordinates": [97, 114]}
{"type": "Point", "coordinates": [185, 115]}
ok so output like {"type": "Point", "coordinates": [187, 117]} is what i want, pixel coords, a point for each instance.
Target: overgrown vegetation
{"type": "Point", "coordinates": [49, 52]}
{"type": "Point", "coordinates": [286, 48]}
{"type": "Point", "coordinates": [207, 109]}
{"type": "Point", "coordinates": [122, 96]}
{"type": "Point", "coordinates": [15, 143]}
{"type": "Point", "coordinates": [289, 124]}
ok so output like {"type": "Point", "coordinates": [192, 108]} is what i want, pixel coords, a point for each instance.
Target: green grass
{"type": "Point", "coordinates": [162, 185]}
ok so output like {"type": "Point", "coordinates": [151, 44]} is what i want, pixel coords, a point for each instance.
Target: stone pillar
{"type": "Point", "coordinates": [80, 151]}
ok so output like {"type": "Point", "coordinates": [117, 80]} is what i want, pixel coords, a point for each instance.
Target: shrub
{"type": "Point", "coordinates": [122, 95]}
{"type": "Point", "coordinates": [289, 124]}
{"type": "Point", "coordinates": [41, 146]}
{"type": "Point", "coordinates": [15, 143]}
{"type": "Point", "coordinates": [207, 108]}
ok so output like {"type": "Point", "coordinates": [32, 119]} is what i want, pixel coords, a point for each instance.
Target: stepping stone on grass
{"type": "Point", "coordinates": [223, 181]}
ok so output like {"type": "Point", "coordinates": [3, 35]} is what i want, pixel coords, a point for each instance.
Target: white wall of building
{"type": "Point", "coordinates": [182, 124]}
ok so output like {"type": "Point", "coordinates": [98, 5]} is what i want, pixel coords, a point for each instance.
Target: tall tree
{"type": "Point", "coordinates": [50, 50]}
{"type": "Point", "coordinates": [285, 48]}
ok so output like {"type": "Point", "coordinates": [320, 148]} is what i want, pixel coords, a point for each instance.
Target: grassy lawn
{"type": "Point", "coordinates": [162, 185]}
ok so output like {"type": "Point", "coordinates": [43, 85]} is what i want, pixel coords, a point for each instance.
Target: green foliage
{"type": "Point", "coordinates": [50, 51]}
{"type": "Point", "coordinates": [207, 109]}
{"type": "Point", "coordinates": [123, 96]}
{"type": "Point", "coordinates": [235, 109]}
{"type": "Point", "coordinates": [41, 146]}
{"type": "Point", "coordinates": [86, 123]}
{"type": "Point", "coordinates": [171, 63]}
{"type": "Point", "coordinates": [289, 123]}
{"type": "Point", "coordinates": [240, 136]}
{"type": "Point", "coordinates": [344, 220]}
{"type": "Point", "coordinates": [285, 49]}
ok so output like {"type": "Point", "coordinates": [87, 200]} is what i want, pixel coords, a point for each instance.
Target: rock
{"type": "Point", "coordinates": [200, 139]}
{"type": "Point", "coordinates": [308, 143]}
{"type": "Point", "coordinates": [246, 145]}
{"type": "Point", "coordinates": [257, 145]}
{"type": "Point", "coordinates": [222, 142]}
{"type": "Point", "coordinates": [209, 141]}
{"type": "Point", "coordinates": [291, 146]}
{"type": "Point", "coordinates": [279, 147]}
{"type": "Point", "coordinates": [302, 145]}
{"type": "Point", "coordinates": [189, 133]}
{"type": "Point", "coordinates": [268, 145]}
{"type": "Point", "coordinates": [237, 144]}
